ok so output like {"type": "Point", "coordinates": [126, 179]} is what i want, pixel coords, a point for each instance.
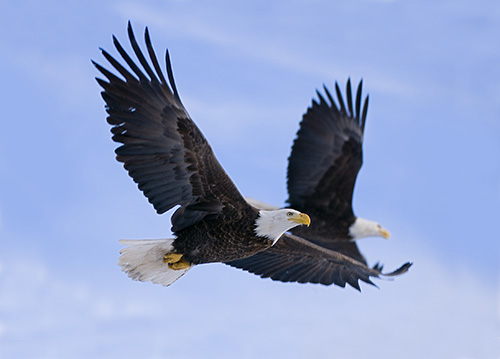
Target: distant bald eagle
{"type": "Point", "coordinates": [171, 161]}
{"type": "Point", "coordinates": [324, 163]}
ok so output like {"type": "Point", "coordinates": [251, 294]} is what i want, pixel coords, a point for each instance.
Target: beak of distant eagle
{"type": "Point", "coordinates": [384, 233]}
{"type": "Point", "coordinates": [300, 218]}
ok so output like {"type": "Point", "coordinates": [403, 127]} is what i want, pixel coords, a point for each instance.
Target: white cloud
{"type": "Point", "coordinates": [250, 45]}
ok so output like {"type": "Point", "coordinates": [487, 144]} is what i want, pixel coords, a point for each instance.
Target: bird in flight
{"type": "Point", "coordinates": [166, 154]}
{"type": "Point", "coordinates": [326, 157]}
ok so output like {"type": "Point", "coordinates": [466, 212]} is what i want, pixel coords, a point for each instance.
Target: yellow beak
{"type": "Point", "coordinates": [301, 218]}
{"type": "Point", "coordinates": [384, 233]}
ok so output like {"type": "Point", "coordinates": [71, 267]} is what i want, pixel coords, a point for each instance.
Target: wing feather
{"type": "Point", "coordinates": [349, 99]}
{"type": "Point", "coordinates": [162, 149]}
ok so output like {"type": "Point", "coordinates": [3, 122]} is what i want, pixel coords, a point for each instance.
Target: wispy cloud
{"type": "Point", "coordinates": [67, 76]}
{"type": "Point", "coordinates": [242, 43]}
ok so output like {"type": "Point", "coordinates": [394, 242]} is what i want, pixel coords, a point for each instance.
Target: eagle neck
{"type": "Point", "coordinates": [268, 226]}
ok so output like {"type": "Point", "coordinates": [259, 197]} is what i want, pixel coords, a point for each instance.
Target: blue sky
{"type": "Point", "coordinates": [246, 73]}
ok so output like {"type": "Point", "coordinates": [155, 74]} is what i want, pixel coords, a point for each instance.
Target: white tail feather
{"type": "Point", "coordinates": [143, 260]}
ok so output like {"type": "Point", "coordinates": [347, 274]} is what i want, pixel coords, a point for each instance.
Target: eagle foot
{"type": "Point", "coordinates": [170, 258]}
{"type": "Point", "coordinates": [175, 261]}
{"type": "Point", "coordinates": [180, 264]}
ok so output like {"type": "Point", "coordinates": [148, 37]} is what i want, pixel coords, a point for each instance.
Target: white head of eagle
{"type": "Point", "coordinates": [362, 228]}
{"type": "Point", "coordinates": [273, 223]}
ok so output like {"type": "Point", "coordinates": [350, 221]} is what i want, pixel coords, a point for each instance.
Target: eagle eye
{"type": "Point", "coordinates": [289, 214]}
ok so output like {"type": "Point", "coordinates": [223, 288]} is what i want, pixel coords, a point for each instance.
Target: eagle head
{"type": "Point", "coordinates": [273, 223]}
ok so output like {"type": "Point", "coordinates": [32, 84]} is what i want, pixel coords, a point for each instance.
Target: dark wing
{"type": "Point", "coordinates": [162, 149]}
{"type": "Point", "coordinates": [294, 259]}
{"type": "Point", "coordinates": [327, 155]}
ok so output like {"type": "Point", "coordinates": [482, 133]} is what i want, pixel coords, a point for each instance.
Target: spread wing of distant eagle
{"type": "Point", "coordinates": [166, 154]}
{"type": "Point", "coordinates": [322, 169]}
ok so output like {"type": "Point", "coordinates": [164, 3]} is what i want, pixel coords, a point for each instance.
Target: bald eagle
{"type": "Point", "coordinates": [171, 161]}
{"type": "Point", "coordinates": [326, 157]}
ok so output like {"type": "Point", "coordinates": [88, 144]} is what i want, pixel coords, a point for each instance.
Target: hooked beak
{"type": "Point", "coordinates": [384, 233]}
{"type": "Point", "coordinates": [301, 218]}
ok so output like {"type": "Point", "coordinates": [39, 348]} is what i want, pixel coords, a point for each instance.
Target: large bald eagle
{"type": "Point", "coordinates": [171, 161]}
{"type": "Point", "coordinates": [322, 169]}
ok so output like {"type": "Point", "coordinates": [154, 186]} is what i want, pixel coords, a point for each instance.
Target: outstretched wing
{"type": "Point", "coordinates": [294, 259]}
{"type": "Point", "coordinates": [162, 149]}
{"type": "Point", "coordinates": [327, 155]}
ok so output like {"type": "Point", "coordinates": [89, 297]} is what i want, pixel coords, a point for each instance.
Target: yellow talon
{"type": "Point", "coordinates": [175, 261]}
{"type": "Point", "coordinates": [170, 258]}
{"type": "Point", "coordinates": [180, 264]}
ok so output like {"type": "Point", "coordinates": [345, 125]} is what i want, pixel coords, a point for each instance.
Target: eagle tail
{"type": "Point", "coordinates": [143, 260]}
